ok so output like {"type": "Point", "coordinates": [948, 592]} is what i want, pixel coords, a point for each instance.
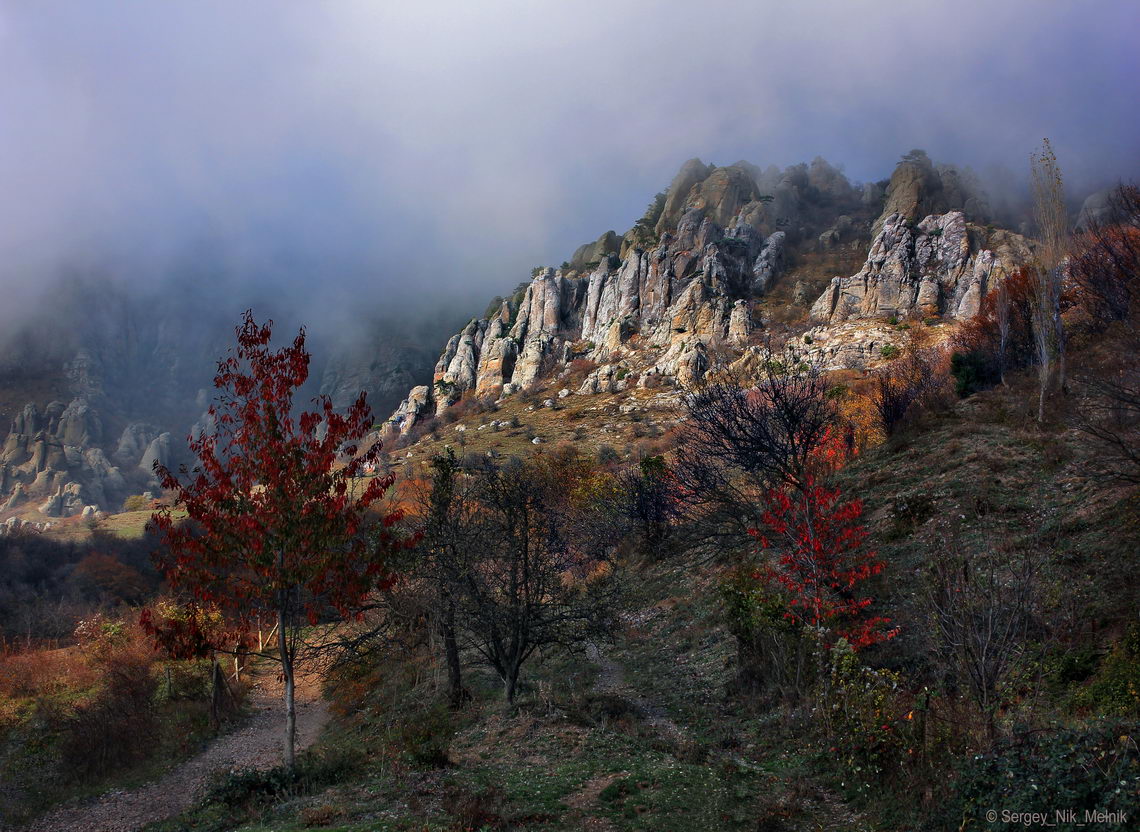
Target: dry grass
{"type": "Point", "coordinates": [45, 671]}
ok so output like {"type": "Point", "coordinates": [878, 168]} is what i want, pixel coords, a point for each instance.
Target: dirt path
{"type": "Point", "coordinates": [257, 743]}
{"type": "Point", "coordinates": [611, 681]}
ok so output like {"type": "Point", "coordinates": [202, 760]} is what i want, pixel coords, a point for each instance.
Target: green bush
{"type": "Point", "coordinates": [1092, 768]}
{"type": "Point", "coordinates": [1115, 689]}
{"type": "Point", "coordinates": [607, 455]}
{"type": "Point", "coordinates": [889, 351]}
{"type": "Point", "coordinates": [865, 718]}
{"type": "Point", "coordinates": [423, 742]}
{"type": "Point", "coordinates": [972, 371]}
{"type": "Point", "coordinates": [136, 502]}
{"type": "Point", "coordinates": [312, 772]}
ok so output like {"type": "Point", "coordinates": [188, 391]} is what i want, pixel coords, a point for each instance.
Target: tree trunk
{"type": "Point", "coordinates": [456, 692]}
{"type": "Point", "coordinates": [511, 681]}
{"type": "Point", "coordinates": [287, 675]}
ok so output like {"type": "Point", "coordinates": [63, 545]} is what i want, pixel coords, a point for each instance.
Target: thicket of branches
{"type": "Point", "coordinates": [516, 558]}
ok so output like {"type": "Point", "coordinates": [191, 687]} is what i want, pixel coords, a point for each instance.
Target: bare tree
{"type": "Point", "coordinates": [1106, 267]}
{"type": "Point", "coordinates": [1110, 412]}
{"type": "Point", "coordinates": [1106, 262]}
{"type": "Point", "coordinates": [743, 436]}
{"type": "Point", "coordinates": [1052, 220]}
{"type": "Point", "coordinates": [981, 604]}
{"type": "Point", "coordinates": [902, 384]}
{"type": "Point", "coordinates": [451, 536]}
{"type": "Point", "coordinates": [545, 576]}
{"type": "Point", "coordinates": [1002, 320]}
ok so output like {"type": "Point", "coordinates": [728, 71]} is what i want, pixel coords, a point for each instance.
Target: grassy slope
{"type": "Point", "coordinates": [577, 755]}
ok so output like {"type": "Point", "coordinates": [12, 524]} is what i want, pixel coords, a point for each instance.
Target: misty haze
{"type": "Point", "coordinates": [569, 416]}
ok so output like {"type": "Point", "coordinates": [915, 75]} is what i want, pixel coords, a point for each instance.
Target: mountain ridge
{"type": "Point", "coordinates": [689, 279]}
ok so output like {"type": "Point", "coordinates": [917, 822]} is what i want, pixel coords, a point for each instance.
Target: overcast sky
{"type": "Point", "coordinates": [443, 148]}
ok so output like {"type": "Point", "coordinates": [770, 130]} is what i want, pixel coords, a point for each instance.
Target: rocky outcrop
{"type": "Point", "coordinates": [692, 289]}
{"type": "Point", "coordinates": [938, 267]}
{"type": "Point", "coordinates": [723, 194]}
{"type": "Point", "coordinates": [919, 188]}
{"type": "Point", "coordinates": [769, 262]}
{"type": "Point", "coordinates": [589, 255]}
{"type": "Point", "coordinates": [681, 289]}
{"type": "Point", "coordinates": [52, 454]}
{"type": "Point", "coordinates": [693, 172]}
{"type": "Point", "coordinates": [666, 303]}
{"type": "Point", "coordinates": [157, 452]}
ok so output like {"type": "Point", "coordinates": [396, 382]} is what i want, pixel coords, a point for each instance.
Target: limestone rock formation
{"type": "Point", "coordinates": [53, 454]}
{"type": "Point", "coordinates": [588, 255]}
{"type": "Point", "coordinates": [938, 267]}
{"type": "Point", "coordinates": [919, 188]}
{"type": "Point", "coordinates": [691, 173]}
{"type": "Point", "coordinates": [769, 262]}
{"type": "Point", "coordinates": [679, 294]}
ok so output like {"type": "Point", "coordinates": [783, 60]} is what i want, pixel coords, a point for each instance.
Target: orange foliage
{"type": "Point", "coordinates": [111, 578]}
{"type": "Point", "coordinates": [45, 671]}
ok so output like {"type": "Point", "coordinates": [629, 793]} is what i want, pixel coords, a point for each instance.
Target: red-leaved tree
{"type": "Point", "coordinates": [818, 558]}
{"type": "Point", "coordinates": [275, 524]}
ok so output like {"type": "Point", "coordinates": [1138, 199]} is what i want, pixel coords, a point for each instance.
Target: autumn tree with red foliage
{"type": "Point", "coordinates": [820, 558]}
{"type": "Point", "coordinates": [274, 522]}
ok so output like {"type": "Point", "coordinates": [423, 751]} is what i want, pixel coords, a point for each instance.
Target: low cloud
{"type": "Point", "coordinates": [361, 154]}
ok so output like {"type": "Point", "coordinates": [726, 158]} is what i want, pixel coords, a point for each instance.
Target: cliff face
{"type": "Point", "coordinates": [103, 383]}
{"type": "Point", "coordinates": [684, 284]}
{"type": "Point", "coordinates": [941, 266]}
{"type": "Point", "coordinates": [666, 304]}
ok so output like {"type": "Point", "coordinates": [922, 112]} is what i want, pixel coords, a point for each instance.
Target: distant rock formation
{"type": "Point", "coordinates": [681, 287]}
{"type": "Point", "coordinates": [919, 188]}
{"type": "Point", "coordinates": [693, 288]}
{"type": "Point", "coordinates": [54, 455]}
{"type": "Point", "coordinates": [588, 255]}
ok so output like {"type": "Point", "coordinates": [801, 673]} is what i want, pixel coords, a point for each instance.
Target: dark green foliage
{"type": "Point", "coordinates": [607, 455]}
{"type": "Point", "coordinates": [652, 213]}
{"type": "Point", "coordinates": [889, 351]}
{"type": "Point", "coordinates": [313, 772]}
{"type": "Point", "coordinates": [1094, 768]}
{"type": "Point", "coordinates": [423, 741]}
{"type": "Point", "coordinates": [1115, 689]}
{"type": "Point", "coordinates": [972, 371]}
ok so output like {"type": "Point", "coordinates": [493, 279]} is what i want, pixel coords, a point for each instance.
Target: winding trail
{"type": "Point", "coordinates": [611, 681]}
{"type": "Point", "coordinates": [256, 743]}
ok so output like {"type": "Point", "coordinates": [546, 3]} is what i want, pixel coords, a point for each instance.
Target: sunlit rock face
{"type": "Point", "coordinates": [677, 293]}
{"type": "Point", "coordinates": [54, 455]}
{"type": "Point", "coordinates": [937, 267]}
